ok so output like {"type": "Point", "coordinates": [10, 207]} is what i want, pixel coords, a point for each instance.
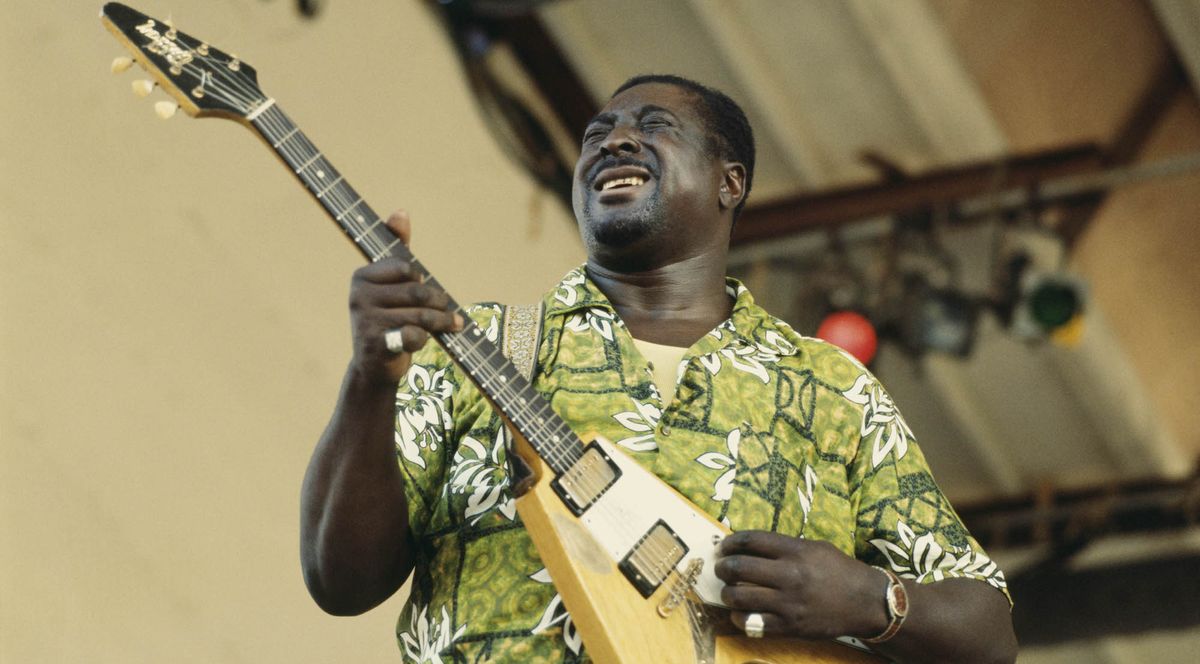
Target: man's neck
{"type": "Point", "coordinates": [674, 304]}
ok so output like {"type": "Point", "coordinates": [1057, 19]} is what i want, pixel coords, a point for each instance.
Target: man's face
{"type": "Point", "coordinates": [646, 184]}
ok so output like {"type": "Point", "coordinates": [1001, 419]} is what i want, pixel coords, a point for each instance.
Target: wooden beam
{"type": "Point", "coordinates": [941, 187]}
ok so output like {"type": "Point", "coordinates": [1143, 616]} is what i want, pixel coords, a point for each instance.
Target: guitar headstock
{"type": "Point", "coordinates": [205, 81]}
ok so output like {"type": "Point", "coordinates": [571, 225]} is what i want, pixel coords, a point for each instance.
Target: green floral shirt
{"type": "Point", "coordinates": [768, 430]}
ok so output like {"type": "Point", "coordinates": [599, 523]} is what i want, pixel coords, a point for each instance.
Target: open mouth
{"type": "Point", "coordinates": [634, 181]}
{"type": "Point", "coordinates": [621, 177]}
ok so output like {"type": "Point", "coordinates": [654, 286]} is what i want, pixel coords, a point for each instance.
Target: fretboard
{"type": "Point", "coordinates": [470, 348]}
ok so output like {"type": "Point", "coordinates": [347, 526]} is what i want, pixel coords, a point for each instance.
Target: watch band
{"type": "Point", "coordinates": [895, 598]}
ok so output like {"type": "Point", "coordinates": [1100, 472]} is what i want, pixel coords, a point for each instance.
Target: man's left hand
{"type": "Point", "coordinates": [802, 588]}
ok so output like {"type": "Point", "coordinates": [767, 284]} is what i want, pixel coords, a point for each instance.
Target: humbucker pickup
{"type": "Point", "coordinates": [583, 483]}
{"type": "Point", "coordinates": [654, 556]}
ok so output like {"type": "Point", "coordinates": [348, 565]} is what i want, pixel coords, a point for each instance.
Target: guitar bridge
{"type": "Point", "coordinates": [583, 483]}
{"type": "Point", "coordinates": [653, 557]}
{"type": "Point", "coordinates": [682, 585]}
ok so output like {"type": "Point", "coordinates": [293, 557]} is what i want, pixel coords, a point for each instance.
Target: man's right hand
{"type": "Point", "coordinates": [389, 295]}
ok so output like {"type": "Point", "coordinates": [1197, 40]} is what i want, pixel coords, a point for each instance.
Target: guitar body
{"type": "Point", "coordinates": [617, 623]}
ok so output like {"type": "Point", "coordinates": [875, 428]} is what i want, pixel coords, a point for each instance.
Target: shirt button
{"type": "Point", "coordinates": [666, 430]}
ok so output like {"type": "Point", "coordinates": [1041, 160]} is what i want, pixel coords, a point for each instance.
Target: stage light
{"type": "Point", "coordinates": [1049, 305]}
{"type": "Point", "coordinates": [1053, 304]}
{"type": "Point", "coordinates": [933, 319]}
{"type": "Point", "coordinates": [851, 332]}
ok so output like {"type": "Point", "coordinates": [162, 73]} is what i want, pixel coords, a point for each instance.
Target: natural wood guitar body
{"type": "Point", "coordinates": [619, 626]}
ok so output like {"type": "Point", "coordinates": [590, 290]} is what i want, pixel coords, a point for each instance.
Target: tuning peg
{"type": "Point", "coordinates": [121, 64]}
{"type": "Point", "coordinates": [143, 87]}
{"type": "Point", "coordinates": [166, 109]}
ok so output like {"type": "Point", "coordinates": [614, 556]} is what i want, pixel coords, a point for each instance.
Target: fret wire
{"type": "Point", "coordinates": [331, 186]}
{"type": "Point", "coordinates": [308, 163]}
{"type": "Point", "coordinates": [352, 206]}
{"type": "Point", "coordinates": [368, 229]}
{"type": "Point", "coordinates": [386, 251]}
{"type": "Point", "coordinates": [289, 135]}
{"type": "Point", "coordinates": [297, 148]}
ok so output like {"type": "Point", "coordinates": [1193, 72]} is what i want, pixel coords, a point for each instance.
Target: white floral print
{"type": "Point", "coordinates": [641, 422]}
{"type": "Point", "coordinates": [478, 471]}
{"type": "Point", "coordinates": [774, 343]}
{"type": "Point", "coordinates": [492, 329]}
{"type": "Point", "coordinates": [421, 413]}
{"type": "Point", "coordinates": [427, 637]}
{"type": "Point", "coordinates": [921, 557]}
{"type": "Point", "coordinates": [556, 614]}
{"type": "Point", "coordinates": [742, 357]}
{"type": "Point", "coordinates": [880, 419]}
{"type": "Point", "coordinates": [719, 331]}
{"type": "Point", "coordinates": [600, 320]}
{"type": "Point", "coordinates": [723, 485]}
{"type": "Point", "coordinates": [806, 491]}
{"type": "Point", "coordinates": [568, 289]}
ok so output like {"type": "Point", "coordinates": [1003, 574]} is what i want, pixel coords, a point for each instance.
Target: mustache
{"type": "Point", "coordinates": [614, 161]}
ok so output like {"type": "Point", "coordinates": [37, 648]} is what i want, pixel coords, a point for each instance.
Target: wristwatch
{"type": "Point", "coordinates": [896, 600]}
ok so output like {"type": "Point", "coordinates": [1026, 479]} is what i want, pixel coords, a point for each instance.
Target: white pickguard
{"type": "Point", "coordinates": [638, 500]}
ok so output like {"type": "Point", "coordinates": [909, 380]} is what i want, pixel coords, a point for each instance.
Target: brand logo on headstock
{"type": "Point", "coordinates": [164, 45]}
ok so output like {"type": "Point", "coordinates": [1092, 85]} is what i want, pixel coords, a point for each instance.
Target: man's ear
{"type": "Point", "coordinates": [733, 185]}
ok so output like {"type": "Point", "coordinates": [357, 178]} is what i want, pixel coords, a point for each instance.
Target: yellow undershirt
{"type": "Point", "coordinates": [664, 364]}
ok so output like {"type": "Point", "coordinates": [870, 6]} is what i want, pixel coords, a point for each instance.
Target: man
{"type": "Point", "coordinates": [787, 439]}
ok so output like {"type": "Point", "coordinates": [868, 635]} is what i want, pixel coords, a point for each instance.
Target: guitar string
{"type": "Point", "coordinates": [511, 388]}
{"type": "Point", "coordinates": [649, 555]}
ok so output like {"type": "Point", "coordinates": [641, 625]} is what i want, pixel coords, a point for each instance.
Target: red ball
{"type": "Point", "coordinates": [852, 333]}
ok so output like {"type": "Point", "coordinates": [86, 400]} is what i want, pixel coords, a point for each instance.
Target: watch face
{"type": "Point", "coordinates": [898, 600]}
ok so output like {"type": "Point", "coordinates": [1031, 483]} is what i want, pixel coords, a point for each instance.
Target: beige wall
{"type": "Point", "coordinates": [173, 319]}
{"type": "Point", "coordinates": [1142, 261]}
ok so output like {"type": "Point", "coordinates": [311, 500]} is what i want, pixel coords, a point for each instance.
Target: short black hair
{"type": "Point", "coordinates": [729, 131]}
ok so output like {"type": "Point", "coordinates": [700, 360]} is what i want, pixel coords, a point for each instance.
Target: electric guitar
{"type": "Point", "coordinates": [639, 587]}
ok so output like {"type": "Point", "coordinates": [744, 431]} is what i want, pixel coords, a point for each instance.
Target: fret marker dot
{"type": "Point", "coordinates": [359, 219]}
{"type": "Point", "coordinates": [320, 174]}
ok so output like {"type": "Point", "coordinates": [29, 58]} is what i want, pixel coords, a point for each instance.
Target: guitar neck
{"type": "Point", "coordinates": [499, 380]}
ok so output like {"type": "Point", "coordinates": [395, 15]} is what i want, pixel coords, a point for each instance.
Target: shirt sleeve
{"type": "Point", "coordinates": [435, 408]}
{"type": "Point", "coordinates": [425, 431]}
{"type": "Point", "coordinates": [903, 521]}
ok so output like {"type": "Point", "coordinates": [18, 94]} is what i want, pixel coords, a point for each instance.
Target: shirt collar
{"type": "Point", "coordinates": [576, 291]}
